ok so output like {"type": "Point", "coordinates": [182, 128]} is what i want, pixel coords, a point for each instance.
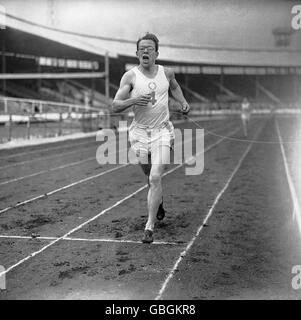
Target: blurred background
{"type": "Point", "coordinates": [61, 61]}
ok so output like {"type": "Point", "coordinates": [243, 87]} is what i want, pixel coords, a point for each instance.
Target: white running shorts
{"type": "Point", "coordinates": [144, 141]}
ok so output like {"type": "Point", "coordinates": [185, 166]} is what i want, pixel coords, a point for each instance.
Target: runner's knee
{"type": "Point", "coordinates": [154, 179]}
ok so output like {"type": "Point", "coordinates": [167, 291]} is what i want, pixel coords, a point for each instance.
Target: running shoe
{"type": "Point", "coordinates": [148, 236]}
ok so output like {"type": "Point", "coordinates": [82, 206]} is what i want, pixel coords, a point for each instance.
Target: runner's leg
{"type": "Point", "coordinates": [146, 168]}
{"type": "Point", "coordinates": [244, 124]}
{"type": "Point", "coordinates": [160, 158]}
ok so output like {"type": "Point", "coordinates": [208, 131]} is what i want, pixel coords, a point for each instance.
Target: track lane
{"type": "Point", "coordinates": [34, 166]}
{"type": "Point", "coordinates": [28, 153]}
{"type": "Point", "coordinates": [39, 185]}
{"type": "Point", "coordinates": [251, 242]}
{"type": "Point", "coordinates": [148, 254]}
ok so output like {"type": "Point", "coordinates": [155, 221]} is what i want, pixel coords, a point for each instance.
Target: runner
{"type": "Point", "coordinates": [245, 115]}
{"type": "Point", "coordinates": [151, 134]}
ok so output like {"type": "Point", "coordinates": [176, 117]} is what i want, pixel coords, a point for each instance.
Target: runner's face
{"type": "Point", "coordinates": [147, 53]}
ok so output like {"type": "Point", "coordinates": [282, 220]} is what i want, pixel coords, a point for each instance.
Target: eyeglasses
{"type": "Point", "coordinates": [148, 49]}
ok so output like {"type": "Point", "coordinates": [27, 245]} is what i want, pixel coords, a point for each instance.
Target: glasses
{"type": "Point", "coordinates": [148, 49]}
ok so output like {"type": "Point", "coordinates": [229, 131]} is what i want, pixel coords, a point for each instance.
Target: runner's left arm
{"type": "Point", "coordinates": [177, 93]}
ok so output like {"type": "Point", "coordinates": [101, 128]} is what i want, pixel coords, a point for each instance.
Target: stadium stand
{"type": "Point", "coordinates": [211, 78]}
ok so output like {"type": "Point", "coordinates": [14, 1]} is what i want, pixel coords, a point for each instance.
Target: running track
{"type": "Point", "coordinates": [233, 232]}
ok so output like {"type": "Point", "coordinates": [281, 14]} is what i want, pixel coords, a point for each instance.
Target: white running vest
{"type": "Point", "coordinates": [156, 112]}
{"type": "Point", "coordinates": [245, 108]}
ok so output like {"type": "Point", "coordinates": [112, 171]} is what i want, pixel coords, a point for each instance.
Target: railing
{"type": "Point", "coordinates": [19, 105]}
{"type": "Point", "coordinates": [28, 118]}
{"type": "Point", "coordinates": [235, 107]}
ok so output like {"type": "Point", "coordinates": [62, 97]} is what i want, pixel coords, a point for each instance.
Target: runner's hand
{"type": "Point", "coordinates": [143, 100]}
{"type": "Point", "coordinates": [185, 108]}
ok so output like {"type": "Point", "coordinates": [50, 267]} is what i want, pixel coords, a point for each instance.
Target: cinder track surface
{"type": "Point", "coordinates": [229, 233]}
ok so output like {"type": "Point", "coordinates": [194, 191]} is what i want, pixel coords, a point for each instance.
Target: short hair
{"type": "Point", "coordinates": [149, 36]}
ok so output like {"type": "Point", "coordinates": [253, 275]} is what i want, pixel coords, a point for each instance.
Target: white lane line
{"type": "Point", "coordinates": [62, 188]}
{"type": "Point", "coordinates": [25, 237]}
{"type": "Point", "coordinates": [68, 144]}
{"type": "Point", "coordinates": [60, 167]}
{"type": "Point", "coordinates": [44, 158]}
{"type": "Point", "coordinates": [92, 177]}
{"type": "Point", "coordinates": [191, 242]}
{"type": "Point", "coordinates": [99, 214]}
{"type": "Point", "coordinates": [297, 211]}
{"type": "Point", "coordinates": [205, 150]}
{"type": "Point", "coordinates": [121, 241]}
{"type": "Point", "coordinates": [59, 189]}
{"type": "Point", "coordinates": [70, 232]}
{"type": "Point", "coordinates": [67, 186]}
{"type": "Point", "coordinates": [88, 240]}
{"type": "Point", "coordinates": [45, 149]}
{"type": "Point", "coordinates": [47, 157]}
{"type": "Point", "coordinates": [48, 170]}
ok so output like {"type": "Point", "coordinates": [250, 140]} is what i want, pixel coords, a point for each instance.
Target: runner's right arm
{"type": "Point", "coordinates": [122, 99]}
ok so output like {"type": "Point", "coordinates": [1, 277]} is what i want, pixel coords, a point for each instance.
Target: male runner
{"type": "Point", "coordinates": [245, 115]}
{"type": "Point", "coordinates": [151, 134]}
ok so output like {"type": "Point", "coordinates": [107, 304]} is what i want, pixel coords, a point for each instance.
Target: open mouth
{"type": "Point", "coordinates": [145, 58]}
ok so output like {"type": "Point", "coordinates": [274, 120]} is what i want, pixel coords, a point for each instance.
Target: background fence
{"type": "Point", "coordinates": [27, 118]}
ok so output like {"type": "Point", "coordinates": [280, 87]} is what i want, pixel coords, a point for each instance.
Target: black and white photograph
{"type": "Point", "coordinates": [150, 150]}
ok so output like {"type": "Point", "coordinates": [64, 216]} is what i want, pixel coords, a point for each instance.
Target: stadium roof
{"type": "Point", "coordinates": [175, 53]}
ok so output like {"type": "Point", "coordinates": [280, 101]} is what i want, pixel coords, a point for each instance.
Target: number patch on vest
{"type": "Point", "coordinates": [153, 97]}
